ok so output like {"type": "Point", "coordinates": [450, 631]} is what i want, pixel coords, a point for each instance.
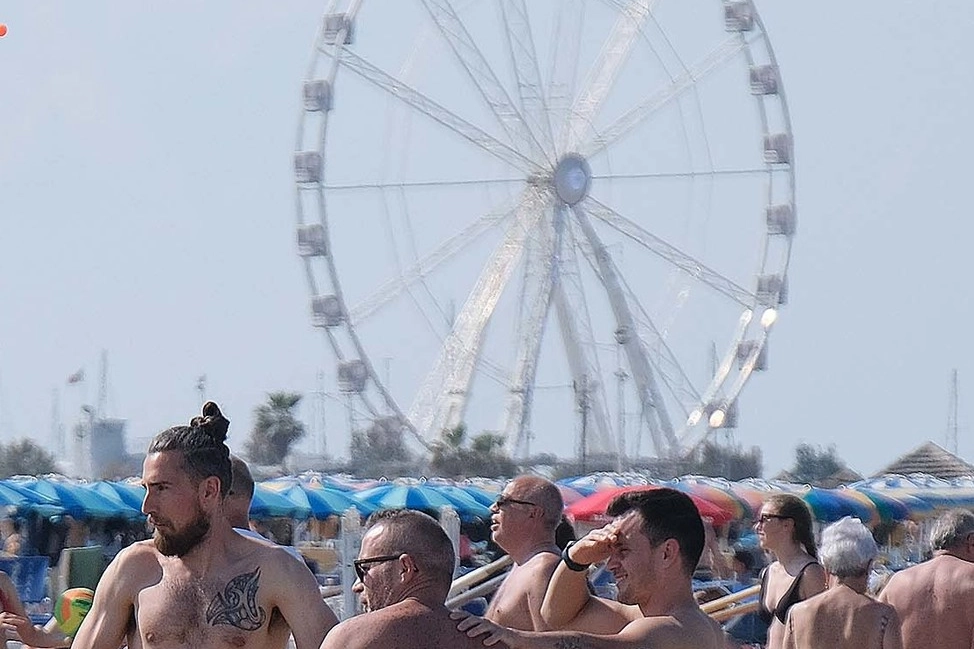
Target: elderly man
{"type": "Point", "coordinates": [198, 583]}
{"type": "Point", "coordinates": [405, 568]}
{"type": "Point", "coordinates": [523, 524]}
{"type": "Point", "coordinates": [844, 617]}
{"type": "Point", "coordinates": [934, 599]}
{"type": "Point", "coordinates": [652, 546]}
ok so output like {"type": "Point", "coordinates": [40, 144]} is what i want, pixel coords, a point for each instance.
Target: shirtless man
{"type": "Point", "coordinates": [523, 524]}
{"type": "Point", "coordinates": [934, 599]}
{"type": "Point", "coordinates": [405, 568]}
{"type": "Point", "coordinates": [197, 583]}
{"type": "Point", "coordinates": [652, 546]}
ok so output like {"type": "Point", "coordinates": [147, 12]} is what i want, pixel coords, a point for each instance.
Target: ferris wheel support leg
{"type": "Point", "coordinates": [653, 408]}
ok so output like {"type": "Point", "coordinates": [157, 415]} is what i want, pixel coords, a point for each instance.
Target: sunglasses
{"type": "Point", "coordinates": [504, 500]}
{"type": "Point", "coordinates": [764, 518]}
{"type": "Point", "coordinates": [360, 564]}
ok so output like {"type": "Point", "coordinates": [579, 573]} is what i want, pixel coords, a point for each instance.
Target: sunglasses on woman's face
{"type": "Point", "coordinates": [764, 518]}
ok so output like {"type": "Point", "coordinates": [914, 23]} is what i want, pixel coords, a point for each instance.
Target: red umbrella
{"type": "Point", "coordinates": [593, 507]}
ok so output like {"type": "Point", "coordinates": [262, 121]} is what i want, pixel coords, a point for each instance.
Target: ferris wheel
{"type": "Point", "coordinates": [544, 218]}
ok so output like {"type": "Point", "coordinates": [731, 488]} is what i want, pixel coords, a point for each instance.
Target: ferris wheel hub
{"type": "Point", "coordinates": [572, 178]}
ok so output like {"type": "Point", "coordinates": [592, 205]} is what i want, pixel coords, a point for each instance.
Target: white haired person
{"type": "Point", "coordinates": [844, 616]}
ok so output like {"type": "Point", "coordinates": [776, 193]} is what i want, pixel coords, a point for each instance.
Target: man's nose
{"type": "Point", "coordinates": [358, 587]}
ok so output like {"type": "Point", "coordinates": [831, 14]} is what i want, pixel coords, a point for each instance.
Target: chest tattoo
{"type": "Point", "coordinates": [237, 604]}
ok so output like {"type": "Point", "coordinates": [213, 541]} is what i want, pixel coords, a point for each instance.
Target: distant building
{"type": "Point", "coordinates": [107, 456]}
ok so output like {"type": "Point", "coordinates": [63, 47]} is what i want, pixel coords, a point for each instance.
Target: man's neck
{"type": "Point", "coordinates": [531, 547]}
{"type": "Point", "coordinates": [670, 600]}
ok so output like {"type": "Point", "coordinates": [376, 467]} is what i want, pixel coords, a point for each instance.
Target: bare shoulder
{"type": "Point", "coordinates": [136, 565]}
{"type": "Point", "coordinates": [694, 630]}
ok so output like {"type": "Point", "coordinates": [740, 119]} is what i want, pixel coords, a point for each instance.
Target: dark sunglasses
{"type": "Point", "coordinates": [764, 518]}
{"type": "Point", "coordinates": [504, 500]}
{"type": "Point", "coordinates": [360, 564]}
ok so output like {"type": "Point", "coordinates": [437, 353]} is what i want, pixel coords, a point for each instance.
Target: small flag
{"type": "Point", "coordinates": [77, 377]}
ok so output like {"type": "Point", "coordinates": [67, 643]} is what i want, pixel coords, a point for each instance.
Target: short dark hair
{"type": "Point", "coordinates": [418, 535]}
{"type": "Point", "coordinates": [241, 482]}
{"type": "Point", "coordinates": [667, 514]}
{"type": "Point", "coordinates": [201, 445]}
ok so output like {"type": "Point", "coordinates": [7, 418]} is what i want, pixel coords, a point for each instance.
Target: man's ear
{"type": "Point", "coordinates": [671, 552]}
{"type": "Point", "coordinates": [409, 568]}
{"type": "Point", "coordinates": [210, 487]}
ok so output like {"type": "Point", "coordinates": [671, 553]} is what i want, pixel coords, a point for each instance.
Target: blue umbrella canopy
{"type": "Point", "coordinates": [77, 500]}
{"type": "Point", "coordinates": [325, 502]}
{"type": "Point", "coordinates": [128, 493]}
{"type": "Point", "coordinates": [829, 505]}
{"type": "Point", "coordinates": [423, 497]}
{"type": "Point", "coordinates": [270, 504]}
{"type": "Point", "coordinates": [13, 495]}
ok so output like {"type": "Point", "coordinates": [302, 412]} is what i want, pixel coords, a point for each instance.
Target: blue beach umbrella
{"type": "Point", "coordinates": [829, 505]}
{"type": "Point", "coordinates": [423, 497]}
{"type": "Point", "coordinates": [76, 500]}
{"type": "Point", "coordinates": [128, 493]}
{"type": "Point", "coordinates": [270, 504]}
{"type": "Point", "coordinates": [12, 495]}
{"type": "Point", "coordinates": [323, 502]}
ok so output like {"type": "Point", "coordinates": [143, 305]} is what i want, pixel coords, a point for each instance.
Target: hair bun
{"type": "Point", "coordinates": [212, 421]}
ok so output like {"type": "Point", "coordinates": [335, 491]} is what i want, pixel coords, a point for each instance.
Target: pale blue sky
{"type": "Point", "coordinates": [147, 209]}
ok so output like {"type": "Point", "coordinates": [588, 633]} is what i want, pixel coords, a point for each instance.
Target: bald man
{"type": "Point", "coordinates": [523, 523]}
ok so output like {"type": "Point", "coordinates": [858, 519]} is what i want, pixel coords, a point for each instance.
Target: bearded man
{"type": "Point", "coordinates": [197, 582]}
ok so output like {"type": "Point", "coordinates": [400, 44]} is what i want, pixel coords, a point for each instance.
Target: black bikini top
{"type": "Point", "coordinates": [789, 599]}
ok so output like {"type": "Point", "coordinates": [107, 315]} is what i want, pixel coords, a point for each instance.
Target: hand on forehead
{"type": "Point", "coordinates": [627, 524]}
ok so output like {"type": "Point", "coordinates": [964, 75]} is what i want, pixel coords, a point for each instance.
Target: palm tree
{"type": "Point", "coordinates": [275, 429]}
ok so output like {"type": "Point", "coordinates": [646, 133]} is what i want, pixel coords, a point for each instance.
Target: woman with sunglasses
{"type": "Point", "coordinates": [784, 528]}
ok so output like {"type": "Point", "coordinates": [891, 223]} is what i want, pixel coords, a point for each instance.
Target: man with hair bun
{"type": "Point", "coordinates": [935, 599]}
{"type": "Point", "coordinates": [404, 568]}
{"type": "Point", "coordinates": [197, 583]}
{"type": "Point", "coordinates": [844, 617]}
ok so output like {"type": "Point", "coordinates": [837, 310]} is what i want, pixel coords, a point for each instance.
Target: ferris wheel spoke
{"type": "Point", "coordinates": [413, 184]}
{"type": "Point", "coordinates": [678, 85]}
{"type": "Point", "coordinates": [441, 400]}
{"type": "Point", "coordinates": [392, 288]}
{"type": "Point", "coordinates": [492, 91]}
{"type": "Point", "coordinates": [703, 173]}
{"type": "Point", "coordinates": [604, 71]}
{"type": "Point", "coordinates": [691, 266]}
{"type": "Point", "coordinates": [524, 61]}
{"type": "Point", "coordinates": [563, 57]}
{"type": "Point", "coordinates": [653, 408]}
{"type": "Point", "coordinates": [426, 106]}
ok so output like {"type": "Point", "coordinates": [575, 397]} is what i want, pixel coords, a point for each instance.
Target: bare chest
{"type": "Point", "coordinates": [184, 612]}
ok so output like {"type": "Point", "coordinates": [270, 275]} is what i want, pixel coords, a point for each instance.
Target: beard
{"type": "Point", "coordinates": [179, 543]}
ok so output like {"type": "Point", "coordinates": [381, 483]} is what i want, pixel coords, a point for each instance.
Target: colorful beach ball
{"type": "Point", "coordinates": [71, 608]}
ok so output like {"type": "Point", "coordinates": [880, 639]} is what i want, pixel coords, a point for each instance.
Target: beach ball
{"type": "Point", "coordinates": [71, 608]}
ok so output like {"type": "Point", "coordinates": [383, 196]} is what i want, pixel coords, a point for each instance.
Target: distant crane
{"type": "Point", "coordinates": [952, 415]}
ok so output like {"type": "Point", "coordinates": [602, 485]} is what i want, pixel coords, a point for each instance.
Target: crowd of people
{"type": "Point", "coordinates": [202, 581]}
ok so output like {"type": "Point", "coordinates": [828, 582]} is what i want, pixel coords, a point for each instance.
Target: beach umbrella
{"type": "Point", "coordinates": [829, 505]}
{"type": "Point", "coordinates": [592, 508]}
{"type": "Point", "coordinates": [77, 500]}
{"type": "Point", "coordinates": [484, 498]}
{"type": "Point", "coordinates": [24, 499]}
{"type": "Point", "coordinates": [890, 507]}
{"type": "Point", "coordinates": [323, 502]}
{"type": "Point", "coordinates": [424, 497]}
{"type": "Point", "coordinates": [129, 494]}
{"type": "Point", "coordinates": [588, 484]}
{"type": "Point", "coordinates": [270, 504]}
{"type": "Point", "coordinates": [716, 491]}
